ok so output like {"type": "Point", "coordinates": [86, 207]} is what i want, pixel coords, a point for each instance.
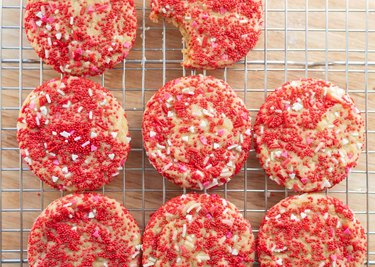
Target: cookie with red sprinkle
{"type": "Point", "coordinates": [85, 230]}
{"type": "Point", "coordinates": [311, 230]}
{"type": "Point", "coordinates": [217, 33]}
{"type": "Point", "coordinates": [198, 230]}
{"type": "Point", "coordinates": [197, 132]}
{"type": "Point", "coordinates": [81, 37]}
{"type": "Point", "coordinates": [73, 134]}
{"type": "Point", "coordinates": [309, 135]}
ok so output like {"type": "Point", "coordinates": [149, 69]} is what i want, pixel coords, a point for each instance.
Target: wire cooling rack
{"type": "Point", "coordinates": [329, 39]}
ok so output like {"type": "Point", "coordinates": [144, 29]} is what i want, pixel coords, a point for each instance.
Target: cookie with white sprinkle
{"type": "Point", "coordinates": [73, 134]}
{"type": "Point", "coordinates": [85, 230]}
{"type": "Point", "coordinates": [81, 37]}
{"type": "Point", "coordinates": [197, 132]}
{"type": "Point", "coordinates": [198, 230]}
{"type": "Point", "coordinates": [311, 230]}
{"type": "Point", "coordinates": [217, 33]}
{"type": "Point", "coordinates": [309, 135]}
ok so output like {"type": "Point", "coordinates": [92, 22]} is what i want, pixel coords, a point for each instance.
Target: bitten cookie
{"type": "Point", "coordinates": [198, 230]}
{"type": "Point", "coordinates": [217, 33]}
{"type": "Point", "coordinates": [81, 37]}
{"type": "Point", "coordinates": [197, 132]}
{"type": "Point", "coordinates": [309, 135]}
{"type": "Point", "coordinates": [311, 230]}
{"type": "Point", "coordinates": [85, 230]}
{"type": "Point", "coordinates": [73, 134]}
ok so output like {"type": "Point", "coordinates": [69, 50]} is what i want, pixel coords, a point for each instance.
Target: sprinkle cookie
{"type": "Point", "coordinates": [217, 33]}
{"type": "Point", "coordinates": [81, 37]}
{"type": "Point", "coordinates": [73, 134]}
{"type": "Point", "coordinates": [309, 135]}
{"type": "Point", "coordinates": [197, 132]}
{"type": "Point", "coordinates": [311, 230]}
{"type": "Point", "coordinates": [85, 230]}
{"type": "Point", "coordinates": [198, 230]}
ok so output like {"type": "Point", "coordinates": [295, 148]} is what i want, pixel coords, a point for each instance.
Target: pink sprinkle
{"type": "Point", "coordinates": [78, 51]}
{"type": "Point", "coordinates": [71, 132]}
{"type": "Point", "coordinates": [90, 9]}
{"type": "Point", "coordinates": [55, 162]}
{"type": "Point", "coordinates": [284, 154]}
{"type": "Point", "coordinates": [229, 234]}
{"type": "Point", "coordinates": [177, 81]}
{"type": "Point", "coordinates": [166, 96]}
{"type": "Point", "coordinates": [125, 53]}
{"type": "Point", "coordinates": [349, 257]}
{"type": "Point", "coordinates": [244, 115]}
{"type": "Point", "coordinates": [350, 155]}
{"type": "Point", "coordinates": [204, 16]}
{"type": "Point", "coordinates": [122, 162]}
{"type": "Point", "coordinates": [50, 20]}
{"type": "Point", "coordinates": [95, 198]}
{"type": "Point", "coordinates": [205, 184]}
{"type": "Point", "coordinates": [96, 234]}
{"type": "Point", "coordinates": [203, 139]}
{"type": "Point", "coordinates": [44, 19]}
{"type": "Point", "coordinates": [94, 69]}
{"type": "Point", "coordinates": [179, 97]}
{"type": "Point", "coordinates": [224, 57]}
{"type": "Point", "coordinates": [214, 45]}
{"type": "Point", "coordinates": [32, 22]}
{"type": "Point", "coordinates": [102, 7]}
{"type": "Point", "coordinates": [222, 10]}
{"type": "Point", "coordinates": [93, 148]}
{"type": "Point", "coordinates": [348, 169]}
{"type": "Point", "coordinates": [182, 167]}
{"type": "Point", "coordinates": [304, 180]}
{"type": "Point", "coordinates": [126, 44]}
{"type": "Point", "coordinates": [334, 257]}
{"type": "Point", "coordinates": [194, 24]}
{"type": "Point", "coordinates": [32, 105]}
{"type": "Point", "coordinates": [209, 216]}
{"type": "Point", "coordinates": [309, 140]}
{"type": "Point", "coordinates": [347, 231]}
{"type": "Point", "coordinates": [221, 132]}
{"type": "Point", "coordinates": [183, 249]}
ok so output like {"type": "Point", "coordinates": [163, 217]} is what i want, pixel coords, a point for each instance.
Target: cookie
{"type": "Point", "coordinates": [197, 132]}
{"type": "Point", "coordinates": [73, 134]}
{"type": "Point", "coordinates": [311, 230]}
{"type": "Point", "coordinates": [198, 230]}
{"type": "Point", "coordinates": [217, 33]}
{"type": "Point", "coordinates": [309, 135]}
{"type": "Point", "coordinates": [81, 37]}
{"type": "Point", "coordinates": [85, 230]}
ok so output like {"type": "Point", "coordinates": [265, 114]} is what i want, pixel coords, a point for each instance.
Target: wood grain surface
{"type": "Point", "coordinates": [314, 38]}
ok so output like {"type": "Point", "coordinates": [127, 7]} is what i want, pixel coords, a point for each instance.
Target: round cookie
{"type": "Point", "coordinates": [308, 135]}
{"type": "Point", "coordinates": [197, 132]}
{"type": "Point", "coordinates": [81, 37]}
{"type": "Point", "coordinates": [85, 230]}
{"type": "Point", "coordinates": [217, 33]}
{"type": "Point", "coordinates": [311, 230]}
{"type": "Point", "coordinates": [73, 134]}
{"type": "Point", "coordinates": [198, 230]}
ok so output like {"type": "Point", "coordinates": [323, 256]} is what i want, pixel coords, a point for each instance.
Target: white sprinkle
{"type": "Point", "coordinates": [49, 41]}
{"type": "Point", "coordinates": [232, 146]}
{"type": "Point", "coordinates": [234, 252]}
{"type": "Point", "coordinates": [128, 139]}
{"type": "Point", "coordinates": [278, 216]}
{"type": "Point", "coordinates": [135, 254]}
{"type": "Point", "coordinates": [193, 206]}
{"type": "Point", "coordinates": [339, 224]}
{"type": "Point", "coordinates": [241, 138]}
{"type": "Point", "coordinates": [216, 145]}
{"type": "Point", "coordinates": [65, 134]}
{"type": "Point", "coordinates": [166, 167]}
{"type": "Point", "coordinates": [230, 164]}
{"type": "Point", "coordinates": [58, 35]}
{"type": "Point", "coordinates": [111, 156]}
{"type": "Point", "coordinates": [85, 143]}
{"type": "Point", "coordinates": [62, 85]}
{"type": "Point", "coordinates": [321, 144]}
{"type": "Point", "coordinates": [297, 106]}
{"type": "Point", "coordinates": [303, 215]}
{"type": "Point", "coordinates": [325, 216]}
{"type": "Point", "coordinates": [80, 109]}
{"type": "Point", "coordinates": [48, 98]}
{"type": "Point", "coordinates": [292, 175]}
{"type": "Point", "coordinates": [91, 215]}
{"type": "Point", "coordinates": [148, 264]}
{"type": "Point", "coordinates": [46, 52]}
{"type": "Point", "coordinates": [65, 169]}
{"type": "Point", "coordinates": [185, 138]}
{"type": "Point", "coordinates": [293, 217]}
{"type": "Point", "coordinates": [114, 134]}
{"type": "Point", "coordinates": [152, 134]}
{"type": "Point", "coordinates": [203, 123]}
{"type": "Point", "coordinates": [325, 184]}
{"type": "Point", "coordinates": [345, 141]}
{"type": "Point", "coordinates": [48, 27]}
{"type": "Point", "coordinates": [187, 91]}
{"type": "Point", "coordinates": [248, 132]}
{"type": "Point", "coordinates": [192, 129]}
{"type": "Point", "coordinates": [202, 257]}
{"type": "Point", "coordinates": [90, 115]}
{"type": "Point", "coordinates": [61, 92]}
{"type": "Point", "coordinates": [37, 120]}
{"type": "Point", "coordinates": [74, 157]}
{"type": "Point", "coordinates": [170, 114]}
{"type": "Point", "coordinates": [189, 217]}
{"type": "Point", "coordinates": [67, 105]}
{"type": "Point", "coordinates": [54, 178]}
{"type": "Point", "coordinates": [212, 184]}
{"type": "Point", "coordinates": [77, 138]}
{"type": "Point", "coordinates": [243, 21]}
{"type": "Point", "coordinates": [54, 133]}
{"type": "Point", "coordinates": [359, 145]}
{"type": "Point", "coordinates": [71, 20]}
{"type": "Point", "coordinates": [279, 261]}
{"type": "Point", "coordinates": [39, 14]}
{"type": "Point", "coordinates": [330, 169]}
{"type": "Point", "coordinates": [138, 247]}
{"type": "Point", "coordinates": [207, 113]}
{"type": "Point", "coordinates": [90, 92]}
{"type": "Point", "coordinates": [93, 134]}
{"type": "Point", "coordinates": [187, 17]}
{"type": "Point", "coordinates": [183, 230]}
{"type": "Point", "coordinates": [39, 23]}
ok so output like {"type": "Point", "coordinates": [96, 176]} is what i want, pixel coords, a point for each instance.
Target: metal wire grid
{"type": "Point", "coordinates": [13, 251]}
